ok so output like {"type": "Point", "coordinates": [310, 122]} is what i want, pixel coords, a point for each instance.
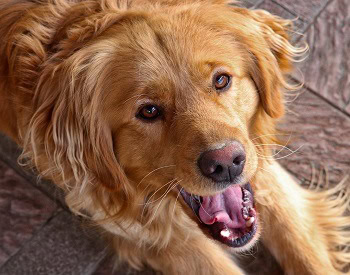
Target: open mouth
{"type": "Point", "coordinates": [230, 216]}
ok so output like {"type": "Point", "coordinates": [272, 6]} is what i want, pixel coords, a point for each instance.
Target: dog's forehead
{"type": "Point", "coordinates": [181, 55]}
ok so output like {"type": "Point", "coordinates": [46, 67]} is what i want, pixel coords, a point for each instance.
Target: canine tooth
{"type": "Point", "coordinates": [250, 222]}
{"type": "Point", "coordinates": [246, 202]}
{"type": "Point", "coordinates": [232, 238]}
{"type": "Point", "coordinates": [245, 213]}
{"type": "Point", "coordinates": [225, 233]}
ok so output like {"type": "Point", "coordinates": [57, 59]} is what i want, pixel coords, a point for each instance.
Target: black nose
{"type": "Point", "coordinates": [224, 164]}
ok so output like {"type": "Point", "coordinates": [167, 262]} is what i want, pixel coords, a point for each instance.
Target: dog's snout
{"type": "Point", "coordinates": [224, 164]}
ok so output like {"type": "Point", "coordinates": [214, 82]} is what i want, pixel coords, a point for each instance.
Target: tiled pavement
{"type": "Point", "coordinates": [38, 235]}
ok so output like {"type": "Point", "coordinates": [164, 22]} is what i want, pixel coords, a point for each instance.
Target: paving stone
{"type": "Point", "coordinates": [250, 3]}
{"type": "Point", "coordinates": [323, 132]}
{"type": "Point", "coordinates": [299, 26]}
{"type": "Point", "coordinates": [259, 261]}
{"type": "Point", "coordinates": [327, 69]}
{"type": "Point", "coordinates": [305, 9]}
{"type": "Point", "coordinates": [9, 153]}
{"type": "Point", "coordinates": [61, 247]}
{"type": "Point", "coordinates": [23, 211]}
{"type": "Point", "coordinates": [108, 267]}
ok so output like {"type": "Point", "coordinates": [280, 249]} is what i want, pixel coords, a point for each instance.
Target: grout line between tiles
{"type": "Point", "coordinates": [323, 98]}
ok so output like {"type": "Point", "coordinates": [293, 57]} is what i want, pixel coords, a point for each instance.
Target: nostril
{"type": "Point", "coordinates": [239, 160]}
{"type": "Point", "coordinates": [219, 169]}
{"type": "Point", "coordinates": [223, 164]}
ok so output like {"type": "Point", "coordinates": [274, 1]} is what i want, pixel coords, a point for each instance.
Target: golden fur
{"type": "Point", "coordinates": [73, 75]}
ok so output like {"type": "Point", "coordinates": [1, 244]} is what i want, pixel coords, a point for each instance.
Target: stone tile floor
{"type": "Point", "coordinates": [39, 236]}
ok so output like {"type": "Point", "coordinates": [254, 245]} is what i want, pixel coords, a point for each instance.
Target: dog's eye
{"type": "Point", "coordinates": [222, 81]}
{"type": "Point", "coordinates": [149, 112]}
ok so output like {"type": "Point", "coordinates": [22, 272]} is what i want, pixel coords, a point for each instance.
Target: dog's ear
{"type": "Point", "coordinates": [271, 56]}
{"type": "Point", "coordinates": [68, 125]}
{"type": "Point", "coordinates": [67, 137]}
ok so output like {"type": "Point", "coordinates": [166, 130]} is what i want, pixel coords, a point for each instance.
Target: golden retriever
{"type": "Point", "coordinates": [152, 115]}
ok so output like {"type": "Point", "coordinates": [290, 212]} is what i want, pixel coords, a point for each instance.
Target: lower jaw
{"type": "Point", "coordinates": [235, 242]}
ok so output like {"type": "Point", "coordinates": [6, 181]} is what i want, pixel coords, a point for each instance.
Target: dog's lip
{"type": "Point", "coordinates": [227, 223]}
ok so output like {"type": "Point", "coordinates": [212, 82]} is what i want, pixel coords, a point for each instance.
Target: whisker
{"type": "Point", "coordinates": [282, 146]}
{"type": "Point", "coordinates": [277, 145]}
{"type": "Point", "coordinates": [169, 183]}
{"type": "Point", "coordinates": [167, 166]}
{"type": "Point", "coordinates": [178, 194]}
{"type": "Point", "coordinates": [151, 220]}
{"type": "Point", "coordinates": [272, 158]}
{"type": "Point", "coordinates": [204, 209]}
{"type": "Point", "coordinates": [268, 135]}
{"type": "Point", "coordinates": [195, 211]}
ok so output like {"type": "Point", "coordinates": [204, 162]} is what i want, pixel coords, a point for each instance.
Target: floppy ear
{"type": "Point", "coordinates": [272, 55]}
{"type": "Point", "coordinates": [67, 138]}
{"type": "Point", "coordinates": [68, 123]}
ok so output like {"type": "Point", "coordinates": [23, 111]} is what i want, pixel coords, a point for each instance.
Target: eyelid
{"type": "Point", "coordinates": [149, 120]}
{"type": "Point", "coordinates": [218, 73]}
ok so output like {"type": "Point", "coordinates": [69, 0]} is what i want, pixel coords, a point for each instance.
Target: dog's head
{"type": "Point", "coordinates": [143, 106]}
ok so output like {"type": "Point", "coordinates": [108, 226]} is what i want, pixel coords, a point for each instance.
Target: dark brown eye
{"type": "Point", "coordinates": [222, 81]}
{"type": "Point", "coordinates": [149, 112]}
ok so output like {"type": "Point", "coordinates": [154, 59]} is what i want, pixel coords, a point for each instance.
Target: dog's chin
{"type": "Point", "coordinates": [229, 216]}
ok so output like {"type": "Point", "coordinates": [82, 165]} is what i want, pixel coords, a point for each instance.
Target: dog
{"type": "Point", "coordinates": [152, 116]}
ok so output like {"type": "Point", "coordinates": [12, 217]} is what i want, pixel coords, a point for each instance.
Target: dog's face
{"type": "Point", "coordinates": [178, 96]}
{"type": "Point", "coordinates": [182, 104]}
{"type": "Point", "coordinates": [165, 102]}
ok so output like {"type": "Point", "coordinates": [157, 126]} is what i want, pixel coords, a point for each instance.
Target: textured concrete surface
{"type": "Point", "coordinates": [276, 9]}
{"type": "Point", "coordinates": [9, 153]}
{"type": "Point", "coordinates": [306, 10]}
{"type": "Point", "coordinates": [251, 3]}
{"type": "Point", "coordinates": [320, 134]}
{"type": "Point", "coordinates": [38, 237]}
{"type": "Point", "coordinates": [23, 211]}
{"type": "Point", "coordinates": [108, 267]}
{"type": "Point", "coordinates": [58, 248]}
{"type": "Point", "coordinates": [326, 71]}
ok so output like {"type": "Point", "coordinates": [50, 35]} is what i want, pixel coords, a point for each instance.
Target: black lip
{"type": "Point", "coordinates": [191, 201]}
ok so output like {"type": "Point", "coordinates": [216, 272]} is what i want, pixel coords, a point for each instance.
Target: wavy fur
{"type": "Point", "coordinates": [61, 61]}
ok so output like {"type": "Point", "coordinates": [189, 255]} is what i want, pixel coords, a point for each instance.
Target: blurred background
{"type": "Point", "coordinates": [38, 235]}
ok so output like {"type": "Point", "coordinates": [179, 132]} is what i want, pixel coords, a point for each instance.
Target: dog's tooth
{"type": "Point", "coordinates": [225, 233]}
{"type": "Point", "coordinates": [250, 222]}
{"type": "Point", "coordinates": [245, 213]}
{"type": "Point", "coordinates": [246, 202]}
{"type": "Point", "coordinates": [251, 212]}
{"type": "Point", "coordinates": [232, 238]}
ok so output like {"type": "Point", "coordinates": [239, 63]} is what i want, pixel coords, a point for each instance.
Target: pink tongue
{"type": "Point", "coordinates": [225, 207]}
